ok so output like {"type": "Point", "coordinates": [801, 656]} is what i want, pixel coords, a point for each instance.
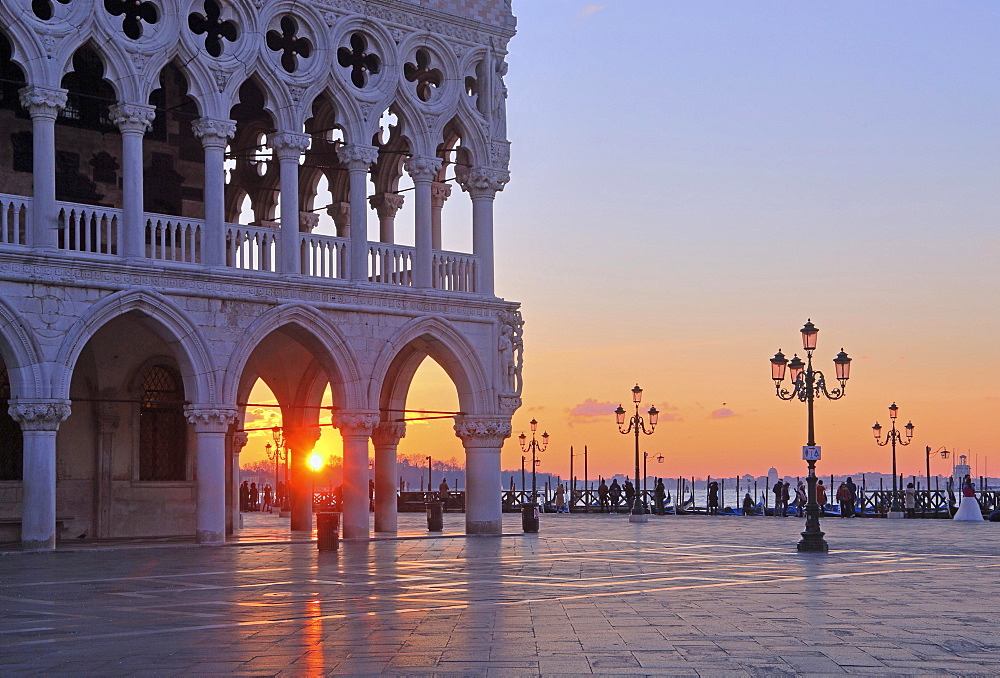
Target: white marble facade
{"type": "Point", "coordinates": [137, 311]}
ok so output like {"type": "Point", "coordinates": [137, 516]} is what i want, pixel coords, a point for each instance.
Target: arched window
{"type": "Point", "coordinates": [11, 440]}
{"type": "Point", "coordinates": [162, 428]}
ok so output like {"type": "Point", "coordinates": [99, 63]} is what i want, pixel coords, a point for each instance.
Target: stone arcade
{"type": "Point", "coordinates": [163, 165]}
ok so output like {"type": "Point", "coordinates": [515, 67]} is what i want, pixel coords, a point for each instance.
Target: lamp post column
{"type": "Point", "coordinates": [385, 438]}
{"type": "Point", "coordinates": [482, 437]}
{"type": "Point", "coordinates": [39, 420]}
{"type": "Point", "coordinates": [356, 428]}
{"type": "Point", "coordinates": [43, 105]}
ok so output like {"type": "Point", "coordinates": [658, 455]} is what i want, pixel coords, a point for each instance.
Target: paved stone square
{"type": "Point", "coordinates": [590, 594]}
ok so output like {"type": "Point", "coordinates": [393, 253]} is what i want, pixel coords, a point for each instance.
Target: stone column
{"type": "Point", "coordinates": [301, 441]}
{"type": "Point", "coordinates": [107, 423]}
{"type": "Point", "coordinates": [440, 192]}
{"type": "Point", "coordinates": [358, 159]}
{"type": "Point", "coordinates": [215, 136]}
{"type": "Point", "coordinates": [239, 441]}
{"type": "Point", "coordinates": [386, 205]}
{"type": "Point", "coordinates": [288, 147]}
{"type": "Point", "coordinates": [132, 120]}
{"type": "Point", "coordinates": [482, 185]}
{"type": "Point", "coordinates": [386, 438]}
{"type": "Point", "coordinates": [423, 171]}
{"type": "Point", "coordinates": [43, 105]}
{"type": "Point", "coordinates": [210, 428]}
{"type": "Point", "coordinates": [39, 420]}
{"type": "Point", "coordinates": [356, 428]}
{"type": "Point", "coordinates": [482, 437]}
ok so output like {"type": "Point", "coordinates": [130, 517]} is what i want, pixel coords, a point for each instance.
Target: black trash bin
{"type": "Point", "coordinates": [435, 516]}
{"type": "Point", "coordinates": [529, 518]}
{"type": "Point", "coordinates": [328, 531]}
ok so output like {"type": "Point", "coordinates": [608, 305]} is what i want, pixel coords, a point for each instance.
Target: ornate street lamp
{"type": "Point", "coordinates": [645, 456]}
{"type": "Point", "coordinates": [807, 385]}
{"type": "Point", "coordinates": [892, 438]}
{"type": "Point", "coordinates": [637, 424]}
{"type": "Point", "coordinates": [280, 456]}
{"type": "Point", "coordinates": [535, 448]}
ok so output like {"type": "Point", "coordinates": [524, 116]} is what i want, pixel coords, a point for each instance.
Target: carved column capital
{"type": "Point", "coordinates": [132, 118]}
{"type": "Point", "coordinates": [509, 404]}
{"type": "Point", "coordinates": [240, 439]}
{"type": "Point", "coordinates": [340, 212]}
{"type": "Point", "coordinates": [386, 204]}
{"type": "Point", "coordinates": [388, 433]}
{"type": "Point", "coordinates": [482, 182]}
{"type": "Point", "coordinates": [440, 192]}
{"type": "Point", "coordinates": [207, 419]}
{"type": "Point", "coordinates": [288, 145]}
{"type": "Point", "coordinates": [42, 102]}
{"type": "Point", "coordinates": [483, 431]}
{"type": "Point", "coordinates": [39, 415]}
{"type": "Point", "coordinates": [357, 158]}
{"type": "Point", "coordinates": [213, 132]}
{"type": "Point", "coordinates": [422, 168]}
{"type": "Point", "coordinates": [355, 422]}
{"type": "Point", "coordinates": [308, 221]}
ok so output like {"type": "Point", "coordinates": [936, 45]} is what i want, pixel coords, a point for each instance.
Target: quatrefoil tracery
{"type": "Point", "coordinates": [428, 79]}
{"type": "Point", "coordinates": [44, 9]}
{"type": "Point", "coordinates": [361, 62]}
{"type": "Point", "coordinates": [291, 47]}
{"type": "Point", "coordinates": [134, 13]}
{"type": "Point", "coordinates": [215, 29]}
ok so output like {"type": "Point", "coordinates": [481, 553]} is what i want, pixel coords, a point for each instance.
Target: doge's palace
{"type": "Point", "coordinates": [197, 194]}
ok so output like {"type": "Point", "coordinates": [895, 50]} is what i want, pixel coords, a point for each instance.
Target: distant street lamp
{"type": "Point", "coordinates": [636, 423]}
{"type": "Point", "coordinates": [535, 448]}
{"type": "Point", "coordinates": [807, 385]}
{"type": "Point", "coordinates": [892, 438]}
{"type": "Point", "coordinates": [944, 455]}
{"type": "Point", "coordinates": [280, 454]}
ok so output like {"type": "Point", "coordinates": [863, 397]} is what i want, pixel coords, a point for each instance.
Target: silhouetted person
{"type": "Point", "coordinates": [852, 497]}
{"type": "Point", "coordinates": [748, 509]}
{"type": "Point", "coordinates": [776, 491]}
{"type": "Point", "coordinates": [268, 498]}
{"type": "Point", "coordinates": [821, 497]}
{"type": "Point", "coordinates": [629, 494]}
{"type": "Point", "coordinates": [843, 498]}
{"type": "Point", "coordinates": [244, 496]}
{"type": "Point", "coordinates": [443, 490]}
{"type": "Point", "coordinates": [659, 496]}
{"type": "Point", "coordinates": [615, 492]}
{"type": "Point", "coordinates": [602, 496]}
{"type": "Point", "coordinates": [713, 498]}
{"type": "Point", "coordinates": [785, 497]}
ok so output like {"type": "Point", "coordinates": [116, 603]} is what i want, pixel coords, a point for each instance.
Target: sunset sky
{"type": "Point", "coordinates": [692, 180]}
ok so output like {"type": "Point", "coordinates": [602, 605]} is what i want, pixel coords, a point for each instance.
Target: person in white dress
{"type": "Point", "coordinates": [969, 508]}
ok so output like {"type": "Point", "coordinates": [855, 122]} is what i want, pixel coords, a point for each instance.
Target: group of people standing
{"type": "Point", "coordinates": [846, 496]}
{"type": "Point", "coordinates": [610, 496]}
{"type": "Point", "coordinates": [253, 498]}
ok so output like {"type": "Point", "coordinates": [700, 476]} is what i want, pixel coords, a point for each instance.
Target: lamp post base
{"type": "Point", "coordinates": [638, 518]}
{"type": "Point", "coordinates": [812, 542]}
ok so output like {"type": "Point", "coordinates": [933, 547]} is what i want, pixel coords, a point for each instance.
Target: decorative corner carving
{"type": "Point", "coordinates": [386, 204]}
{"type": "Point", "coordinates": [288, 144]}
{"type": "Point", "coordinates": [211, 418]}
{"type": "Point", "coordinates": [511, 349]}
{"type": "Point", "coordinates": [509, 404]}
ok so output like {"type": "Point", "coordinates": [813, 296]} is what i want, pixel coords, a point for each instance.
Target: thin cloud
{"type": "Point", "coordinates": [723, 413]}
{"type": "Point", "coordinates": [591, 411]}
{"type": "Point", "coordinates": [589, 10]}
